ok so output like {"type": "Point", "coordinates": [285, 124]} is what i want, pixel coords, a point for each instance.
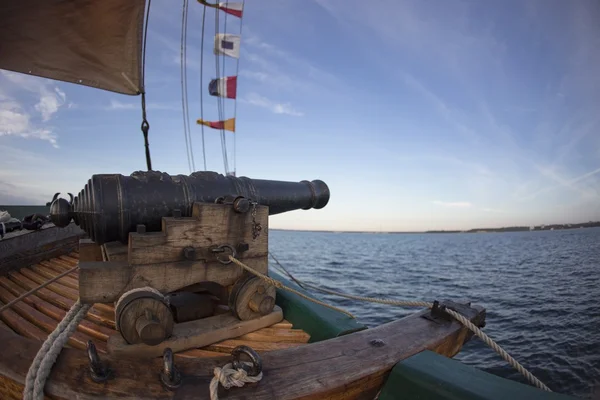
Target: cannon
{"type": "Point", "coordinates": [112, 205]}
{"type": "Point", "coordinates": [162, 249]}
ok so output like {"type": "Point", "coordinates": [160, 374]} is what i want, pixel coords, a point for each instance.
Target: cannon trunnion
{"type": "Point", "coordinates": [176, 287]}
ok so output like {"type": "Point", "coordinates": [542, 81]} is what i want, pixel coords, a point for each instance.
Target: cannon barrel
{"type": "Point", "coordinates": [112, 205]}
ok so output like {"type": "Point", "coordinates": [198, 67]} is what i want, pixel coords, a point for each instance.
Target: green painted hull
{"type": "Point", "coordinates": [430, 376]}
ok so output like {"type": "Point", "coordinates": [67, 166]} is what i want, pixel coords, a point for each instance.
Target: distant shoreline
{"type": "Point", "coordinates": [554, 227]}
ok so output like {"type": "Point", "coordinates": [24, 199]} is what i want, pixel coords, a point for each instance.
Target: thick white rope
{"type": "Point", "coordinates": [46, 357]}
{"type": "Point", "coordinates": [490, 342]}
{"type": "Point", "coordinates": [230, 377]}
{"type": "Point", "coordinates": [495, 346]}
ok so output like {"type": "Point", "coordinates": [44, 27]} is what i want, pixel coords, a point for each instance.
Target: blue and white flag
{"type": "Point", "coordinates": [227, 44]}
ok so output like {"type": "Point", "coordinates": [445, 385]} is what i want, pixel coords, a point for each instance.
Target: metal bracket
{"type": "Point", "coordinates": [438, 315]}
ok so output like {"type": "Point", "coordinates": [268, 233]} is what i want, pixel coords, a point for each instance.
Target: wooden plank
{"type": "Point", "coordinates": [274, 335]}
{"type": "Point", "coordinates": [313, 371]}
{"type": "Point", "coordinates": [115, 251]}
{"type": "Point", "coordinates": [226, 346]}
{"type": "Point", "coordinates": [63, 290]}
{"type": "Point", "coordinates": [61, 301]}
{"type": "Point", "coordinates": [37, 245]}
{"type": "Point", "coordinates": [211, 224]}
{"type": "Point", "coordinates": [20, 325]}
{"type": "Point", "coordinates": [49, 273]}
{"type": "Point", "coordinates": [282, 325]}
{"type": "Point", "coordinates": [89, 250]}
{"type": "Point", "coordinates": [46, 323]}
{"type": "Point", "coordinates": [103, 282]}
{"type": "Point", "coordinates": [198, 353]}
{"type": "Point", "coordinates": [97, 331]}
{"type": "Point", "coordinates": [58, 266]}
{"type": "Point", "coordinates": [54, 286]}
{"type": "Point", "coordinates": [72, 257]}
{"type": "Point", "coordinates": [193, 334]}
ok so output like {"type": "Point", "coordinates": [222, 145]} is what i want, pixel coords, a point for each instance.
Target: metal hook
{"type": "Point", "coordinates": [256, 367]}
{"type": "Point", "coordinates": [169, 375]}
{"type": "Point", "coordinates": [98, 371]}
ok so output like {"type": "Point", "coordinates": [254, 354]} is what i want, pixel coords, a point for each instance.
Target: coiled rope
{"type": "Point", "coordinates": [230, 377]}
{"type": "Point", "coordinates": [486, 339]}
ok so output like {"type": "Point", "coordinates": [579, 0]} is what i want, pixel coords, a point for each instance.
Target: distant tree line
{"type": "Point", "coordinates": [527, 228]}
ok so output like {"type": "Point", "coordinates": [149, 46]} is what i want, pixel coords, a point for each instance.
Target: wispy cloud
{"type": "Point", "coordinates": [18, 120]}
{"type": "Point", "coordinates": [116, 105]}
{"type": "Point", "coordinates": [452, 204]}
{"type": "Point", "coordinates": [275, 107]}
{"type": "Point", "coordinates": [281, 69]}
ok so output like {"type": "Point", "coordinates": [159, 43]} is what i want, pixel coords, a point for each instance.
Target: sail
{"type": "Point", "coordinates": [86, 42]}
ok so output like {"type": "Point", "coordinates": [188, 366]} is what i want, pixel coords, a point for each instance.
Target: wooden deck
{"type": "Point", "coordinates": [38, 314]}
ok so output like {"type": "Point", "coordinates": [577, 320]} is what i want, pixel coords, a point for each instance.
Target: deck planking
{"type": "Point", "coordinates": [37, 315]}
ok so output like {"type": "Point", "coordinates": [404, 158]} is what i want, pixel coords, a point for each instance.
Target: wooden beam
{"type": "Point", "coordinates": [89, 250]}
{"type": "Point", "coordinates": [211, 224]}
{"type": "Point", "coordinates": [320, 370]}
{"type": "Point", "coordinates": [104, 282]}
{"type": "Point", "coordinates": [194, 334]}
{"type": "Point", "coordinates": [34, 246]}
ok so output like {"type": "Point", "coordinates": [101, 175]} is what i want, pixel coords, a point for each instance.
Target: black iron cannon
{"type": "Point", "coordinates": [112, 205]}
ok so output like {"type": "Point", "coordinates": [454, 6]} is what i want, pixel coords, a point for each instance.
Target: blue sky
{"type": "Point", "coordinates": [418, 115]}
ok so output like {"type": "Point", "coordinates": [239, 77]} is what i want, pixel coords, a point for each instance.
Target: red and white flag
{"type": "Point", "coordinates": [223, 87]}
{"type": "Point", "coordinates": [235, 9]}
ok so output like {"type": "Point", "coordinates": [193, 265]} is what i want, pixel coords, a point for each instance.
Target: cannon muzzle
{"type": "Point", "coordinates": [112, 205]}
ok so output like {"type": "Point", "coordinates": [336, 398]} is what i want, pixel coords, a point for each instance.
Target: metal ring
{"type": "Point", "coordinates": [169, 375]}
{"type": "Point", "coordinates": [256, 367]}
{"type": "Point", "coordinates": [221, 249]}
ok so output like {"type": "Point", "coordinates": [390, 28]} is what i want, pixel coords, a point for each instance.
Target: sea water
{"type": "Point", "coordinates": [540, 289]}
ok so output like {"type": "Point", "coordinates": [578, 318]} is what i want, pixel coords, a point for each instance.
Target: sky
{"type": "Point", "coordinates": [418, 115]}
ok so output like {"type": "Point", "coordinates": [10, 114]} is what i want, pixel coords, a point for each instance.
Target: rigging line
{"type": "Point", "coordinates": [201, 86]}
{"type": "Point", "coordinates": [219, 110]}
{"type": "Point", "coordinates": [237, 70]}
{"type": "Point", "coordinates": [187, 106]}
{"type": "Point", "coordinates": [183, 82]}
{"type": "Point", "coordinates": [223, 103]}
{"type": "Point", "coordinates": [145, 125]}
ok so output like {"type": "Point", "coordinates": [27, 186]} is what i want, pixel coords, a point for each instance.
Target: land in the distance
{"type": "Point", "coordinates": [552, 227]}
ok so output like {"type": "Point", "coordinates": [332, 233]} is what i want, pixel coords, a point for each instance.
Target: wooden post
{"type": "Point", "coordinates": [89, 250]}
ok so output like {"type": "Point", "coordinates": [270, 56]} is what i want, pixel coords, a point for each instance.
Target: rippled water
{"type": "Point", "coordinates": [540, 289]}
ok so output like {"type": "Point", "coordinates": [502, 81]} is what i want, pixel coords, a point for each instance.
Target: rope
{"type": "Point", "coordinates": [184, 96]}
{"type": "Point", "coordinates": [237, 73]}
{"type": "Point", "coordinates": [46, 357]}
{"type": "Point", "coordinates": [202, 85]}
{"type": "Point", "coordinates": [230, 377]}
{"type": "Point", "coordinates": [507, 357]}
{"type": "Point", "coordinates": [32, 291]}
{"type": "Point", "coordinates": [487, 340]}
